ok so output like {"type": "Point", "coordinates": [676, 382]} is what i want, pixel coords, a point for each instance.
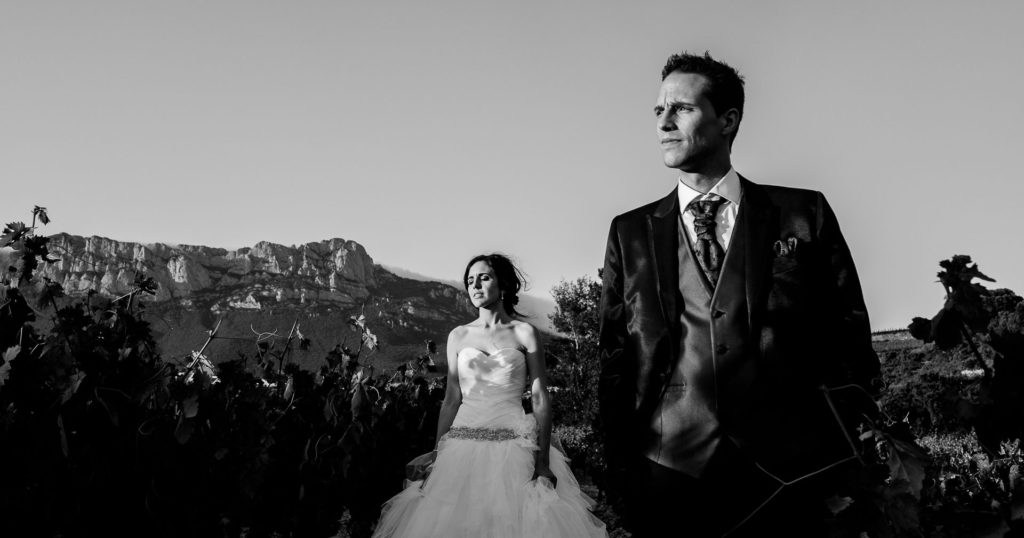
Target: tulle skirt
{"type": "Point", "coordinates": [483, 489]}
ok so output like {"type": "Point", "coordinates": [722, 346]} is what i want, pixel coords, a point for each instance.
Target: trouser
{"type": "Point", "coordinates": [727, 500]}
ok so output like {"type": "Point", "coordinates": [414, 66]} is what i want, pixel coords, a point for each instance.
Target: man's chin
{"type": "Point", "coordinates": [688, 165]}
{"type": "Point", "coordinates": [676, 164]}
{"type": "Point", "coordinates": [677, 160]}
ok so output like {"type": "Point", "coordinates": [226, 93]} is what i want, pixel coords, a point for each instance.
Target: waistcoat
{"type": "Point", "coordinates": [713, 335]}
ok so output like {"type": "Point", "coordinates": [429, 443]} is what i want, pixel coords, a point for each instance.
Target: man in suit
{"type": "Point", "coordinates": [729, 310]}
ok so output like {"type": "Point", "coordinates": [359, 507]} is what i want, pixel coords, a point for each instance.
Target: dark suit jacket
{"type": "Point", "coordinates": [808, 328]}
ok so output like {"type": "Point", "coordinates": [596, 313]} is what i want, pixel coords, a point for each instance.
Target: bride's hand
{"type": "Point", "coordinates": [543, 471]}
{"type": "Point", "coordinates": [419, 467]}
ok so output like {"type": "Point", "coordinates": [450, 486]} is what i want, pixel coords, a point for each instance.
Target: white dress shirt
{"type": "Point", "coordinates": [729, 188]}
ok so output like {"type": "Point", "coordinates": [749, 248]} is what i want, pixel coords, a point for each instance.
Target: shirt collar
{"type": "Point", "coordinates": [728, 187]}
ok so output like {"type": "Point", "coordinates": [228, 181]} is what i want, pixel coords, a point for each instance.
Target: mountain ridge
{"type": "Point", "coordinates": [265, 288]}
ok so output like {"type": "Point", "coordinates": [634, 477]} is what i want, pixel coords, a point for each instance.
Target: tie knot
{"type": "Point", "coordinates": [705, 207]}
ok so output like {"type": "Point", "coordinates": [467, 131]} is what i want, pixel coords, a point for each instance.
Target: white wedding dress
{"type": "Point", "coordinates": [480, 484]}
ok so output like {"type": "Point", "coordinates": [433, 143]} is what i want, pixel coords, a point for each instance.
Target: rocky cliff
{"type": "Point", "coordinates": [262, 288]}
{"type": "Point", "coordinates": [331, 272]}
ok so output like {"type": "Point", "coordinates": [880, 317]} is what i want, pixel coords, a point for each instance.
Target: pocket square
{"type": "Point", "coordinates": [787, 247]}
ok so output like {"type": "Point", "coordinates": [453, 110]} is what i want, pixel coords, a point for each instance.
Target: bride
{"type": "Point", "coordinates": [494, 473]}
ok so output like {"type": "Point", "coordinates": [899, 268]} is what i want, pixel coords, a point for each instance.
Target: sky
{"type": "Point", "coordinates": [433, 131]}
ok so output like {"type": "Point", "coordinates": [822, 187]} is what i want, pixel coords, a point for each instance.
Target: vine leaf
{"type": "Point", "coordinates": [5, 368]}
{"type": "Point", "coordinates": [40, 213]}
{"type": "Point", "coordinates": [964, 296]}
{"type": "Point", "coordinates": [906, 462]}
{"type": "Point", "coordinates": [75, 381]}
{"type": "Point", "coordinates": [289, 388]}
{"type": "Point", "coordinates": [13, 232]}
{"type": "Point", "coordinates": [146, 284]}
{"type": "Point", "coordinates": [360, 406]}
{"type": "Point", "coordinates": [303, 341]}
{"type": "Point", "coordinates": [111, 413]}
{"type": "Point", "coordinates": [330, 415]}
{"type": "Point", "coordinates": [190, 406]}
{"type": "Point", "coordinates": [921, 328]}
{"type": "Point", "coordinates": [964, 306]}
{"type": "Point", "coordinates": [837, 504]}
{"type": "Point", "coordinates": [960, 269]}
{"type": "Point", "coordinates": [11, 353]}
{"type": "Point", "coordinates": [357, 323]}
{"type": "Point", "coordinates": [49, 291]}
{"type": "Point", "coordinates": [63, 436]}
{"type": "Point", "coordinates": [369, 339]}
{"type": "Point", "coordinates": [183, 431]}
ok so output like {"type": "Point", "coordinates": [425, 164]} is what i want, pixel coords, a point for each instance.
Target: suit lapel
{"type": "Point", "coordinates": [664, 241]}
{"type": "Point", "coordinates": [761, 223]}
{"type": "Point", "coordinates": [762, 227]}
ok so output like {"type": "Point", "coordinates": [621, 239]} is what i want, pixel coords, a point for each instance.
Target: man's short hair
{"type": "Point", "coordinates": [725, 89]}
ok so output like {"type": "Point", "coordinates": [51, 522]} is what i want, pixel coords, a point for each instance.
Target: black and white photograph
{"type": "Point", "coordinates": [452, 269]}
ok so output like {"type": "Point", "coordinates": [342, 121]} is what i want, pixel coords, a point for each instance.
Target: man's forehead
{"type": "Point", "coordinates": [690, 86]}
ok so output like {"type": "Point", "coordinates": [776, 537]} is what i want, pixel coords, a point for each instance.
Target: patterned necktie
{"type": "Point", "coordinates": [709, 252]}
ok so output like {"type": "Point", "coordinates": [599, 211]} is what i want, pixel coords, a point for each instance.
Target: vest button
{"type": "Point", "coordinates": [717, 314]}
{"type": "Point", "coordinates": [722, 349]}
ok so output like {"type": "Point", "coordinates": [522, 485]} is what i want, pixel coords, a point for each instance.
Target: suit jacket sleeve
{"type": "Point", "coordinates": [859, 363]}
{"type": "Point", "coordinates": [616, 387]}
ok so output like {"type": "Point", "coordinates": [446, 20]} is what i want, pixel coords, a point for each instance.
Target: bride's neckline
{"type": "Point", "coordinates": [495, 352]}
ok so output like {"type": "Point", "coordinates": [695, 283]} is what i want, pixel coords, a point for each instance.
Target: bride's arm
{"type": "Point", "coordinates": [453, 392]}
{"type": "Point", "coordinates": [540, 398]}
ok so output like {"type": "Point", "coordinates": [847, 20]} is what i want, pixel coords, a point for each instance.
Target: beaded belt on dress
{"type": "Point", "coordinates": [482, 434]}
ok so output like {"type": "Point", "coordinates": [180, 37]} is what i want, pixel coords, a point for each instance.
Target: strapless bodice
{"type": "Point", "coordinates": [492, 386]}
{"type": "Point", "coordinates": [498, 375]}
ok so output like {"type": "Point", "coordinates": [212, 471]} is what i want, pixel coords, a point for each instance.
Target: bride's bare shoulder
{"type": "Point", "coordinates": [519, 325]}
{"type": "Point", "coordinates": [458, 334]}
{"type": "Point", "coordinates": [526, 334]}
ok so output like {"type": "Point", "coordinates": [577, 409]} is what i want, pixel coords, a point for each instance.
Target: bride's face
{"type": "Point", "coordinates": [482, 285]}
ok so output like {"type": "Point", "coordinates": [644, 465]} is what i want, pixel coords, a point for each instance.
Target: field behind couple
{"type": "Point", "coordinates": [279, 391]}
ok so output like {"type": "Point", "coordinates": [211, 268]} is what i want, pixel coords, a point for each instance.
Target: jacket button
{"type": "Point", "coordinates": [722, 349]}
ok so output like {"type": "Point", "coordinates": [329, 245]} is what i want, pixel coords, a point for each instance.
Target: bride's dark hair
{"type": "Point", "coordinates": [510, 279]}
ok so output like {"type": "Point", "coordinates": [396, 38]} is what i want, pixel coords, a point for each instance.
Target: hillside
{"type": "Point", "coordinates": [264, 288]}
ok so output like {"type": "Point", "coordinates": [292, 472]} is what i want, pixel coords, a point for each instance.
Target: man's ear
{"type": "Point", "coordinates": [730, 121]}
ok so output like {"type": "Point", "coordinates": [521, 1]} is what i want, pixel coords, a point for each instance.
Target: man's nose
{"type": "Point", "coordinates": [665, 122]}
